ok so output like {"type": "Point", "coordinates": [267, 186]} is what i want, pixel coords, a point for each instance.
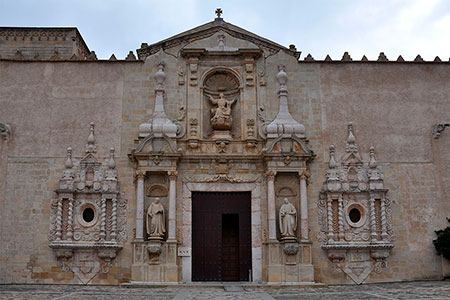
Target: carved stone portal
{"type": "Point", "coordinates": [355, 215]}
{"type": "Point", "coordinates": [88, 220]}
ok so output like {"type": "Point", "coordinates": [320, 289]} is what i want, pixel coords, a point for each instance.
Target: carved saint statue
{"type": "Point", "coordinates": [288, 220]}
{"type": "Point", "coordinates": [221, 112]}
{"type": "Point", "coordinates": [155, 220]}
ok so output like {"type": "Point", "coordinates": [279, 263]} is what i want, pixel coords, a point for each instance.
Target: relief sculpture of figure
{"type": "Point", "coordinates": [288, 220]}
{"type": "Point", "coordinates": [221, 112]}
{"type": "Point", "coordinates": [156, 220]}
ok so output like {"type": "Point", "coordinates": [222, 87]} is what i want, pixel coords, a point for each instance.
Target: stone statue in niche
{"type": "Point", "coordinates": [221, 112]}
{"type": "Point", "coordinates": [288, 220]}
{"type": "Point", "coordinates": [156, 220]}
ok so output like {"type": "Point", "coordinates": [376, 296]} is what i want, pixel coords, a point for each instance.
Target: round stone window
{"type": "Point", "coordinates": [355, 215]}
{"type": "Point", "coordinates": [87, 215]}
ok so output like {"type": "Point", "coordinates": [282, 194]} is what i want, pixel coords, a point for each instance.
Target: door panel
{"type": "Point", "coordinates": [221, 236]}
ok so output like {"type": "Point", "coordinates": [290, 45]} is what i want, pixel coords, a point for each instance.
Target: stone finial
{"type": "Point", "coordinates": [90, 146]}
{"type": "Point", "coordinates": [160, 76]}
{"type": "Point", "coordinates": [351, 144]}
{"type": "Point", "coordinates": [292, 47]}
{"type": "Point", "coordinates": [400, 59]}
{"type": "Point", "coordinates": [111, 162]}
{"type": "Point", "coordinates": [284, 123]}
{"type": "Point", "coordinates": [437, 59]}
{"type": "Point", "coordinates": [332, 164]}
{"type": "Point", "coordinates": [309, 57]}
{"type": "Point", "coordinates": [328, 58]}
{"type": "Point", "coordinates": [5, 131]}
{"type": "Point", "coordinates": [92, 56]}
{"type": "Point", "coordinates": [159, 124]}
{"type": "Point", "coordinates": [282, 77]}
{"type": "Point", "coordinates": [418, 58]}
{"type": "Point", "coordinates": [130, 56]}
{"type": "Point", "coordinates": [372, 161]}
{"type": "Point", "coordinates": [364, 58]}
{"type": "Point", "coordinates": [113, 57]}
{"type": "Point", "coordinates": [382, 57]}
{"type": "Point", "coordinates": [69, 164]}
{"type": "Point", "coordinates": [346, 57]}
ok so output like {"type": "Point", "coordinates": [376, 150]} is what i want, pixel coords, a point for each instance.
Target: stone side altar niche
{"type": "Point", "coordinates": [88, 219]}
{"type": "Point", "coordinates": [286, 155]}
{"type": "Point", "coordinates": [355, 215]}
{"type": "Point", "coordinates": [156, 154]}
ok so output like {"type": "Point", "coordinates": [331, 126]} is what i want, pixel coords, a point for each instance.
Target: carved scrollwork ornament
{"type": "Point", "coordinates": [172, 174]}
{"type": "Point", "coordinates": [271, 175]}
{"type": "Point", "coordinates": [140, 174]}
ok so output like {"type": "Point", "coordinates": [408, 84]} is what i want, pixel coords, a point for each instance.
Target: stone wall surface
{"type": "Point", "coordinates": [41, 43]}
{"type": "Point", "coordinates": [392, 106]}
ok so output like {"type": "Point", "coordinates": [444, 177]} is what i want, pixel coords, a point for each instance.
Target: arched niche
{"type": "Point", "coordinates": [226, 81]}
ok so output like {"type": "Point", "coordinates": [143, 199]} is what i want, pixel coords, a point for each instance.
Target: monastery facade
{"type": "Point", "coordinates": [218, 155]}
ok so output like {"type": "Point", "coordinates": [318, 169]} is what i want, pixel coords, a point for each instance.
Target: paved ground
{"type": "Point", "coordinates": [435, 290]}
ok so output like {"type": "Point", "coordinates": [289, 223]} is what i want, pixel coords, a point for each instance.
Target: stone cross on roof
{"type": "Point", "coordinates": [219, 12]}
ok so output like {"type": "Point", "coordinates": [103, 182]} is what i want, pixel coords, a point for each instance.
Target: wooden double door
{"type": "Point", "coordinates": [221, 236]}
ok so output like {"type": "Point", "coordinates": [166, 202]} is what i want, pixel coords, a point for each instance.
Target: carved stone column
{"type": "Point", "coordinates": [172, 205]}
{"type": "Point", "coordinates": [384, 234]}
{"type": "Point", "coordinates": [304, 224]}
{"type": "Point", "coordinates": [140, 205]}
{"type": "Point", "coordinates": [70, 219]}
{"type": "Point", "coordinates": [330, 218]}
{"type": "Point", "coordinates": [114, 219]}
{"type": "Point", "coordinates": [59, 220]}
{"type": "Point", "coordinates": [341, 218]}
{"type": "Point", "coordinates": [373, 222]}
{"type": "Point", "coordinates": [103, 219]}
{"type": "Point", "coordinates": [271, 212]}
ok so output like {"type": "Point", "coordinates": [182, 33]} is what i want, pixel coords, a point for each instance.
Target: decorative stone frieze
{"type": "Point", "coordinates": [88, 220]}
{"type": "Point", "coordinates": [355, 215]}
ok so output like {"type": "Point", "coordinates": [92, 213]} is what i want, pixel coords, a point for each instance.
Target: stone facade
{"type": "Point", "coordinates": [42, 43]}
{"type": "Point", "coordinates": [78, 215]}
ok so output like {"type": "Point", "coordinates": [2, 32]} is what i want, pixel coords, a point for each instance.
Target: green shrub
{"type": "Point", "coordinates": [442, 243]}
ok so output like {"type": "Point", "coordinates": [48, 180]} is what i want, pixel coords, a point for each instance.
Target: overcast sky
{"type": "Point", "coordinates": [319, 27]}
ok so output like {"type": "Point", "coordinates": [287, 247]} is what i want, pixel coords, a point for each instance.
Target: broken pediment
{"type": "Point", "coordinates": [207, 34]}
